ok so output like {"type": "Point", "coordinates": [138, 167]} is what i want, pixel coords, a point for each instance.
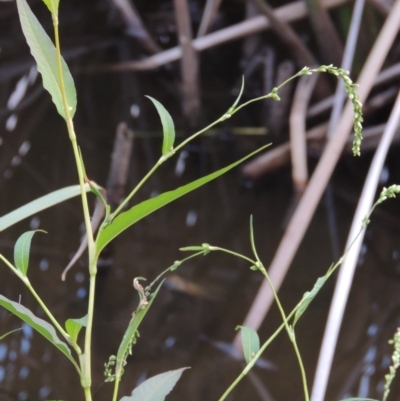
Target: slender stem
{"type": "Point", "coordinates": [170, 268]}
{"type": "Point", "coordinates": [135, 190]}
{"type": "Point", "coordinates": [238, 255]}
{"type": "Point", "coordinates": [26, 281]}
{"type": "Point", "coordinates": [267, 96]}
{"type": "Point", "coordinates": [290, 330]}
{"type": "Point", "coordinates": [157, 165]}
{"type": "Point", "coordinates": [86, 360]}
{"type": "Point", "coordinates": [116, 387]}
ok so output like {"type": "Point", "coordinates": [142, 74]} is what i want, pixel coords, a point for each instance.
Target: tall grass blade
{"type": "Point", "coordinates": [44, 53]}
{"type": "Point", "coordinates": [21, 251]}
{"type": "Point", "coordinates": [167, 124]}
{"type": "Point", "coordinates": [40, 325]}
{"type": "Point", "coordinates": [156, 388]}
{"type": "Point", "coordinates": [40, 204]}
{"type": "Point", "coordinates": [137, 212]}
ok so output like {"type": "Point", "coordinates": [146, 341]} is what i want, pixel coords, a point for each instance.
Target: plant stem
{"type": "Point", "coordinates": [157, 165]}
{"type": "Point", "coordinates": [116, 387]}
{"type": "Point", "coordinates": [86, 361]}
{"type": "Point", "coordinates": [135, 190]}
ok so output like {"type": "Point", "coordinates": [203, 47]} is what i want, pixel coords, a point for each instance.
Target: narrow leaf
{"type": "Point", "coordinates": [21, 251]}
{"type": "Point", "coordinates": [42, 203]}
{"type": "Point", "coordinates": [40, 325]}
{"type": "Point", "coordinates": [137, 212]}
{"type": "Point", "coordinates": [359, 399]}
{"type": "Point", "coordinates": [250, 342]}
{"type": "Point", "coordinates": [44, 53]}
{"type": "Point", "coordinates": [130, 334]}
{"type": "Point", "coordinates": [308, 297]}
{"type": "Point", "coordinates": [156, 388]}
{"type": "Point", "coordinates": [191, 248]}
{"type": "Point", "coordinates": [73, 327]}
{"type": "Point", "coordinates": [233, 107]}
{"type": "Point", "coordinates": [7, 334]}
{"type": "Point", "coordinates": [52, 5]}
{"type": "Point", "coordinates": [167, 124]}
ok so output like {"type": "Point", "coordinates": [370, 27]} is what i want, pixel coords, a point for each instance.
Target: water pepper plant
{"type": "Point", "coordinates": [58, 81]}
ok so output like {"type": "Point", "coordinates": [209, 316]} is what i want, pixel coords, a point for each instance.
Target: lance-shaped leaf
{"type": "Point", "coordinates": [167, 124]}
{"type": "Point", "coordinates": [42, 203]}
{"type": "Point", "coordinates": [250, 342]}
{"type": "Point", "coordinates": [22, 249]}
{"type": "Point", "coordinates": [73, 327]}
{"type": "Point", "coordinates": [52, 5]}
{"type": "Point", "coordinates": [156, 388]}
{"type": "Point", "coordinates": [40, 325]}
{"type": "Point", "coordinates": [130, 334]}
{"type": "Point", "coordinates": [137, 212]}
{"type": "Point", "coordinates": [45, 55]}
{"type": "Point", "coordinates": [308, 297]}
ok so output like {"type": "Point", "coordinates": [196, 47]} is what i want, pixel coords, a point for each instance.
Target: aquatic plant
{"type": "Point", "coordinates": [58, 81]}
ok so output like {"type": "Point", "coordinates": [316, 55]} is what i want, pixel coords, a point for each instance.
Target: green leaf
{"type": "Point", "coordinates": [73, 327]}
{"type": "Point", "coordinates": [131, 333]}
{"type": "Point", "coordinates": [21, 251]}
{"type": "Point", "coordinates": [40, 325]}
{"type": "Point", "coordinates": [52, 5]}
{"type": "Point", "coordinates": [191, 248]}
{"type": "Point", "coordinates": [45, 55]}
{"type": "Point", "coordinates": [168, 126]}
{"type": "Point", "coordinates": [7, 334]}
{"type": "Point", "coordinates": [308, 297]}
{"type": "Point", "coordinates": [137, 212]}
{"type": "Point", "coordinates": [250, 342]}
{"type": "Point", "coordinates": [156, 388]}
{"type": "Point", "coordinates": [359, 399]}
{"type": "Point", "coordinates": [40, 204]}
{"type": "Point", "coordinates": [233, 107]}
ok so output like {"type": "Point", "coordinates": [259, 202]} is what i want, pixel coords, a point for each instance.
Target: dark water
{"type": "Point", "coordinates": [184, 325]}
{"type": "Point", "coordinates": [181, 327]}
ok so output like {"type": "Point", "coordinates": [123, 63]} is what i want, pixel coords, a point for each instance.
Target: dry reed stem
{"type": "Point", "coordinates": [300, 52]}
{"type": "Point", "coordinates": [210, 10]}
{"type": "Point", "coordinates": [346, 273]}
{"type": "Point", "coordinates": [308, 203]}
{"type": "Point", "coordinates": [297, 122]}
{"type": "Point", "coordinates": [288, 13]}
{"type": "Point", "coordinates": [325, 32]}
{"type": "Point", "coordinates": [135, 25]}
{"type": "Point", "coordinates": [189, 64]}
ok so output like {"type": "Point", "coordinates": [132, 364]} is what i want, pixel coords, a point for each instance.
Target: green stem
{"type": "Point", "coordinates": [116, 387]}
{"type": "Point", "coordinates": [157, 165]}
{"type": "Point", "coordinates": [238, 255]}
{"type": "Point", "coordinates": [251, 364]}
{"type": "Point", "coordinates": [171, 267]}
{"type": "Point", "coordinates": [135, 190]}
{"type": "Point", "coordinates": [86, 360]}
